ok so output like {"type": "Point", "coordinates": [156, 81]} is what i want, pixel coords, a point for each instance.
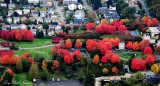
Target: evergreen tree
{"type": "Point", "coordinates": [33, 72]}
{"type": "Point", "coordinates": [45, 74]}
{"type": "Point", "coordinates": [19, 66]}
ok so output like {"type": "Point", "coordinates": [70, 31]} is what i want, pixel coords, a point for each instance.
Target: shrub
{"type": "Point", "coordinates": [96, 59]}
{"type": "Point", "coordinates": [138, 64]}
{"type": "Point", "coordinates": [33, 72]}
{"type": "Point", "coordinates": [147, 50]}
{"type": "Point", "coordinates": [44, 74]}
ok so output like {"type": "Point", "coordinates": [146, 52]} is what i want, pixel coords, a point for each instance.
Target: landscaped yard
{"type": "Point", "coordinates": [35, 43]}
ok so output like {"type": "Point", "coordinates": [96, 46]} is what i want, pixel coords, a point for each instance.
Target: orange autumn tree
{"type": "Point", "coordinates": [44, 65]}
{"type": "Point", "coordinates": [68, 43]}
{"type": "Point", "coordinates": [96, 59]}
{"type": "Point", "coordinates": [129, 45]}
{"type": "Point", "coordinates": [155, 21]}
{"type": "Point", "coordinates": [135, 46]}
{"type": "Point", "coordinates": [103, 21]}
{"type": "Point", "coordinates": [78, 43]}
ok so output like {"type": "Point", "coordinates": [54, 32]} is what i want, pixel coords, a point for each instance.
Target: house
{"type": "Point", "coordinates": [19, 12]}
{"type": "Point", "coordinates": [46, 3]}
{"type": "Point", "coordinates": [34, 13]}
{"type": "Point", "coordinates": [79, 6]}
{"type": "Point", "coordinates": [39, 20]}
{"type": "Point", "coordinates": [154, 31]}
{"type": "Point", "coordinates": [43, 13]}
{"type": "Point", "coordinates": [10, 12]}
{"type": "Point", "coordinates": [79, 14]}
{"type": "Point", "coordinates": [14, 26]}
{"type": "Point", "coordinates": [26, 11]}
{"type": "Point", "coordinates": [109, 13]}
{"type": "Point", "coordinates": [68, 2]}
{"type": "Point", "coordinates": [34, 1]}
{"type": "Point", "coordinates": [1, 18]}
{"type": "Point", "coordinates": [4, 27]}
{"type": "Point", "coordinates": [11, 6]}
{"type": "Point", "coordinates": [79, 22]}
{"type": "Point", "coordinates": [16, 20]}
{"type": "Point", "coordinates": [48, 20]}
{"type": "Point", "coordinates": [50, 10]}
{"type": "Point", "coordinates": [72, 6]}
{"type": "Point", "coordinates": [9, 20]}
{"type": "Point", "coordinates": [3, 4]}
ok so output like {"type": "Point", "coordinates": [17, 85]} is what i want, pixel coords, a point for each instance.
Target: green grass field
{"type": "Point", "coordinates": [44, 52]}
{"type": "Point", "coordinates": [127, 55]}
{"type": "Point", "coordinates": [35, 43]}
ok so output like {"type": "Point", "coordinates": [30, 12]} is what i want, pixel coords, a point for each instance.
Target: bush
{"type": "Point", "coordinates": [74, 67]}
{"type": "Point", "coordinates": [40, 34]}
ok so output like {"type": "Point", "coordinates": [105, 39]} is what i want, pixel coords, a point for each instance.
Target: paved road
{"type": "Point", "coordinates": [144, 7]}
{"type": "Point", "coordinates": [59, 10]}
{"type": "Point", "coordinates": [60, 83]}
{"type": "Point", "coordinates": [85, 4]}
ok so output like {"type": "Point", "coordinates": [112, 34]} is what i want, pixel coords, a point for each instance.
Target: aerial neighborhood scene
{"type": "Point", "coordinates": [79, 43]}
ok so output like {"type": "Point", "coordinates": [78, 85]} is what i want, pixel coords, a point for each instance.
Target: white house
{"type": "Point", "coordinates": [72, 7]}
{"type": "Point", "coordinates": [39, 20]}
{"type": "Point", "coordinates": [33, 1]}
{"type": "Point", "coordinates": [43, 13]}
{"type": "Point", "coordinates": [23, 26]}
{"type": "Point", "coordinates": [9, 20]}
{"type": "Point", "coordinates": [80, 6]}
{"type": "Point", "coordinates": [19, 12]}
{"type": "Point", "coordinates": [26, 11]}
{"type": "Point", "coordinates": [154, 31]}
{"type": "Point", "coordinates": [16, 20]}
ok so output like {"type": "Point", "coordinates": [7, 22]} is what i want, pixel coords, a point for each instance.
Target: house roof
{"type": "Point", "coordinates": [109, 14]}
{"type": "Point", "coordinates": [79, 21]}
{"type": "Point", "coordinates": [79, 14]}
{"type": "Point", "coordinates": [72, 7]}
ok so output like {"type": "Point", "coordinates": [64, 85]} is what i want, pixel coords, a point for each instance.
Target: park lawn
{"type": "Point", "coordinates": [35, 43]}
{"type": "Point", "coordinates": [126, 56]}
{"type": "Point", "coordinates": [22, 79]}
{"type": "Point", "coordinates": [43, 52]}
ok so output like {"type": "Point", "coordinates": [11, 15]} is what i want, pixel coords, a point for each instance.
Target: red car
{"type": "Point", "coordinates": [56, 40]}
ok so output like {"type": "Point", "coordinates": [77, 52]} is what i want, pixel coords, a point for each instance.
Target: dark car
{"type": "Point", "coordinates": [153, 79]}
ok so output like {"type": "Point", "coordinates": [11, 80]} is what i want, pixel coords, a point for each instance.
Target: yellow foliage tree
{"type": "Point", "coordinates": [44, 65]}
{"type": "Point", "coordinates": [155, 68]}
{"type": "Point", "coordinates": [96, 59]}
{"type": "Point", "coordinates": [103, 21]}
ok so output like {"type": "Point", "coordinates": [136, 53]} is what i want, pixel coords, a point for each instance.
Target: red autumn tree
{"type": "Point", "coordinates": [143, 44]}
{"type": "Point", "coordinates": [18, 36]}
{"type": "Point", "coordinates": [149, 23]}
{"type": "Point", "coordinates": [5, 60]}
{"type": "Point", "coordinates": [29, 36]}
{"type": "Point", "coordinates": [148, 50]}
{"type": "Point", "coordinates": [135, 46]}
{"type": "Point", "coordinates": [62, 52]}
{"type": "Point", "coordinates": [115, 70]}
{"type": "Point", "coordinates": [129, 45]}
{"type": "Point", "coordinates": [68, 43]}
{"type": "Point", "coordinates": [12, 61]}
{"type": "Point", "coordinates": [109, 54]}
{"type": "Point", "coordinates": [77, 53]}
{"type": "Point", "coordinates": [104, 59]}
{"type": "Point", "coordinates": [115, 59]}
{"type": "Point", "coordinates": [109, 45]}
{"type": "Point", "coordinates": [155, 21]}
{"type": "Point", "coordinates": [78, 43]}
{"type": "Point", "coordinates": [89, 26]}
{"type": "Point", "coordinates": [67, 59]}
{"type": "Point", "coordinates": [101, 46]}
{"type": "Point", "coordinates": [138, 64]}
{"type": "Point", "coordinates": [150, 60]}
{"type": "Point", "coordinates": [116, 41]}
{"type": "Point", "coordinates": [90, 45]}
{"type": "Point", "coordinates": [98, 29]}
{"type": "Point", "coordinates": [55, 64]}
{"type": "Point", "coordinates": [122, 29]}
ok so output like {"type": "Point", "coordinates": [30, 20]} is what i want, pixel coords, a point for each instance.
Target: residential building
{"type": "Point", "coordinates": [10, 12]}
{"type": "Point", "coordinates": [26, 11]}
{"type": "Point", "coordinates": [47, 20]}
{"type": "Point", "coordinates": [46, 3]}
{"type": "Point", "coordinates": [34, 13]}
{"type": "Point", "coordinates": [154, 31]}
{"type": "Point", "coordinates": [39, 20]}
{"type": "Point", "coordinates": [14, 26]}
{"type": "Point", "coordinates": [43, 13]}
{"type": "Point", "coordinates": [109, 13]}
{"type": "Point", "coordinates": [11, 6]}
{"type": "Point", "coordinates": [16, 20]}
{"type": "Point", "coordinates": [9, 20]}
{"type": "Point", "coordinates": [79, 14]}
{"type": "Point", "coordinates": [3, 4]}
